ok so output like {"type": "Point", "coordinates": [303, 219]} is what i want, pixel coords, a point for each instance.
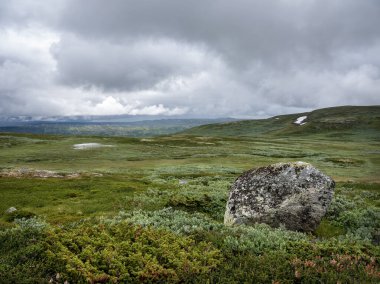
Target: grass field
{"type": "Point", "coordinates": [135, 182]}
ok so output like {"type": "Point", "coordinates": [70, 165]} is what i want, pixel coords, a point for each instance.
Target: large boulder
{"type": "Point", "coordinates": [295, 195]}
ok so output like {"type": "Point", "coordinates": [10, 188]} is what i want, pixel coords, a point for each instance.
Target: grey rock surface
{"type": "Point", "coordinates": [183, 181]}
{"type": "Point", "coordinates": [295, 195]}
{"type": "Point", "coordinates": [10, 210]}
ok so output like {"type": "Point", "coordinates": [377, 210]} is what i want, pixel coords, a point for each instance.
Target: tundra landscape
{"type": "Point", "coordinates": [190, 141]}
{"type": "Point", "coordinates": [104, 209]}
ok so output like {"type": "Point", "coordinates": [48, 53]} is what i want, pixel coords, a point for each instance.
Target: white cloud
{"type": "Point", "coordinates": [112, 106]}
{"type": "Point", "coordinates": [29, 44]}
{"type": "Point", "coordinates": [158, 110]}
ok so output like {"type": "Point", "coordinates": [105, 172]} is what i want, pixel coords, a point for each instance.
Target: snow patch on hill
{"type": "Point", "coordinates": [89, 146]}
{"type": "Point", "coordinates": [300, 120]}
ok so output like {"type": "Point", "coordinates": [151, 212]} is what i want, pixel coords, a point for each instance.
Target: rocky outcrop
{"type": "Point", "coordinates": [295, 195]}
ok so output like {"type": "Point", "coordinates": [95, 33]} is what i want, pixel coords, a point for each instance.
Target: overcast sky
{"type": "Point", "coordinates": [215, 58]}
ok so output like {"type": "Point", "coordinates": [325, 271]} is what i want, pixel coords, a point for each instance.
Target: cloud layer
{"type": "Point", "coordinates": [213, 58]}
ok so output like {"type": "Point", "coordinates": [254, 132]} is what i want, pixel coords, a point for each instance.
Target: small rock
{"type": "Point", "coordinates": [183, 181]}
{"type": "Point", "coordinates": [73, 175]}
{"type": "Point", "coordinates": [10, 210]}
{"type": "Point", "coordinates": [295, 195]}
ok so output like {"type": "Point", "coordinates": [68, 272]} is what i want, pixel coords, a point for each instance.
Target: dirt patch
{"type": "Point", "coordinates": [32, 173]}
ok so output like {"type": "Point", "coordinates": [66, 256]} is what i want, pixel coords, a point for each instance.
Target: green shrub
{"type": "Point", "coordinates": [202, 194]}
{"type": "Point", "coordinates": [176, 246]}
{"type": "Point", "coordinates": [213, 206]}
{"type": "Point", "coordinates": [333, 261]}
{"type": "Point", "coordinates": [271, 267]}
{"type": "Point", "coordinates": [177, 221]}
{"type": "Point", "coordinates": [263, 254]}
{"type": "Point", "coordinates": [255, 239]}
{"type": "Point", "coordinates": [123, 252]}
{"type": "Point", "coordinates": [19, 214]}
{"type": "Point", "coordinates": [361, 223]}
{"type": "Point", "coordinates": [329, 229]}
{"type": "Point", "coordinates": [151, 199]}
{"type": "Point", "coordinates": [339, 205]}
{"type": "Point", "coordinates": [22, 253]}
{"type": "Point", "coordinates": [358, 220]}
{"type": "Point", "coordinates": [94, 252]}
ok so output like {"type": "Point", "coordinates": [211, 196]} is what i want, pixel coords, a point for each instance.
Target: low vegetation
{"type": "Point", "coordinates": [151, 211]}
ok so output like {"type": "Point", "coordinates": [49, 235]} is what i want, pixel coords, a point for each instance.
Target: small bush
{"type": "Point", "coordinates": [338, 206]}
{"type": "Point", "coordinates": [19, 214]}
{"type": "Point", "coordinates": [72, 195]}
{"type": "Point", "coordinates": [329, 229]}
{"type": "Point", "coordinates": [123, 252]}
{"type": "Point", "coordinates": [254, 239]}
{"type": "Point", "coordinates": [213, 206]}
{"type": "Point", "coordinates": [22, 252]}
{"type": "Point", "coordinates": [330, 261]}
{"type": "Point", "coordinates": [202, 194]}
{"type": "Point", "coordinates": [98, 252]}
{"type": "Point", "coordinates": [359, 221]}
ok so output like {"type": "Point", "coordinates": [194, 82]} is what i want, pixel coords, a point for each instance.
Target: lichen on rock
{"type": "Point", "coordinates": [295, 195]}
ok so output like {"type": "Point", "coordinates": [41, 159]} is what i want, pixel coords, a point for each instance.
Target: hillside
{"type": "Point", "coordinates": [338, 122]}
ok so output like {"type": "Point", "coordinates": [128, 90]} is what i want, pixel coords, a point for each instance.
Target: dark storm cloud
{"type": "Point", "coordinates": [243, 29]}
{"type": "Point", "coordinates": [212, 57]}
{"type": "Point", "coordinates": [125, 65]}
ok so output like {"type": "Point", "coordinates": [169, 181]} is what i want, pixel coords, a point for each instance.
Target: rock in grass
{"type": "Point", "coordinates": [295, 195]}
{"type": "Point", "coordinates": [10, 210]}
{"type": "Point", "coordinates": [183, 181]}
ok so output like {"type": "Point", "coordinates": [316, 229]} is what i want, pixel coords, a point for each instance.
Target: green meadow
{"type": "Point", "coordinates": [151, 210]}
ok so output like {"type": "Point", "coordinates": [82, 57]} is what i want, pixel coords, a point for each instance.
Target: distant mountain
{"type": "Point", "coordinates": [101, 126]}
{"type": "Point", "coordinates": [340, 122]}
{"type": "Point", "coordinates": [12, 120]}
{"type": "Point", "coordinates": [337, 122]}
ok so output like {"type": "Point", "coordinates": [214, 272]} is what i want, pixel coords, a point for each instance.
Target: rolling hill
{"type": "Point", "coordinates": [338, 122]}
